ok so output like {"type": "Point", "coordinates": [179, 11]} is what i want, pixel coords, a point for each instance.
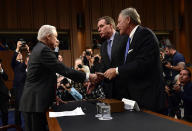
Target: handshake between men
{"type": "Point", "coordinates": [94, 79]}
{"type": "Point", "coordinates": [98, 76]}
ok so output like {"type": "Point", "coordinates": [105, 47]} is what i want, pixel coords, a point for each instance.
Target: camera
{"type": "Point", "coordinates": [96, 59]}
{"type": "Point", "coordinates": [88, 53]}
{"type": "Point", "coordinates": [164, 62]}
{"type": "Point", "coordinates": [23, 45]}
{"type": "Point", "coordinates": [66, 83]}
{"type": "Point", "coordinates": [79, 66]}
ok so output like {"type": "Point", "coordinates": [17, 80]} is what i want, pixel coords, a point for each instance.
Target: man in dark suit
{"type": "Point", "coordinates": [4, 97]}
{"type": "Point", "coordinates": [111, 50]}
{"type": "Point", "coordinates": [140, 77]}
{"type": "Point", "coordinates": [39, 91]}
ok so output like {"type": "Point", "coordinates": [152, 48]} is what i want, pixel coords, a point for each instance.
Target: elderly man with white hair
{"type": "Point", "coordinates": [39, 89]}
{"type": "Point", "coordinates": [140, 77]}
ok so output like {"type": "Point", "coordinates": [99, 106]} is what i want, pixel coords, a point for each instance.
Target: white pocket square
{"type": "Point", "coordinates": [130, 51]}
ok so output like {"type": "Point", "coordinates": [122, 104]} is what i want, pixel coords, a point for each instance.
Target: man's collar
{"type": "Point", "coordinates": [133, 32]}
{"type": "Point", "coordinates": [112, 37]}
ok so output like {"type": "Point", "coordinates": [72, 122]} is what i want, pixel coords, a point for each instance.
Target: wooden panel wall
{"type": "Point", "coordinates": [161, 15]}
{"type": "Point", "coordinates": [188, 28]}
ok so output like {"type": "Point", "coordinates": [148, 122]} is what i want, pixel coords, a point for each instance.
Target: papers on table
{"type": "Point", "coordinates": [76, 112]}
{"type": "Point", "coordinates": [130, 104]}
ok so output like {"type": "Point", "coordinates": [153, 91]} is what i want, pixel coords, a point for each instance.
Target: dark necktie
{"type": "Point", "coordinates": [127, 49]}
{"type": "Point", "coordinates": [109, 49]}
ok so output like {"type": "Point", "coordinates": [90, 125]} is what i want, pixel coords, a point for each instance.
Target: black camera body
{"type": "Point", "coordinates": [88, 53]}
{"type": "Point", "coordinates": [79, 66]}
{"type": "Point", "coordinates": [166, 60]}
{"type": "Point", "coordinates": [23, 45]}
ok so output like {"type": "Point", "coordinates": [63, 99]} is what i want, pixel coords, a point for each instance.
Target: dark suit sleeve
{"type": "Point", "coordinates": [102, 67]}
{"type": "Point", "coordinates": [14, 61]}
{"type": "Point", "coordinates": [146, 52]}
{"type": "Point", "coordinates": [50, 61]}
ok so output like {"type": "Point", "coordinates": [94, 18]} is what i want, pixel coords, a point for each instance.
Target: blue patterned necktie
{"type": "Point", "coordinates": [127, 49]}
{"type": "Point", "coordinates": [109, 49]}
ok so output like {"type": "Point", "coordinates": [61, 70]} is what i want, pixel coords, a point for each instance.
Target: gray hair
{"type": "Point", "coordinates": [133, 14]}
{"type": "Point", "coordinates": [45, 30]}
{"type": "Point", "coordinates": [108, 21]}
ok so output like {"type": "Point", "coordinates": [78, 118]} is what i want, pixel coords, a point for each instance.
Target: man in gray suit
{"type": "Point", "coordinates": [112, 50]}
{"type": "Point", "coordinates": [39, 91]}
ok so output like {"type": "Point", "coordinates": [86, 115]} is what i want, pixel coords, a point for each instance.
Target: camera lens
{"type": "Point", "coordinates": [80, 66]}
{"type": "Point", "coordinates": [88, 53]}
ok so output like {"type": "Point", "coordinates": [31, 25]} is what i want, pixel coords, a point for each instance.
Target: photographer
{"type": "Point", "coordinates": [80, 66]}
{"type": "Point", "coordinates": [66, 92]}
{"type": "Point", "coordinates": [88, 92]}
{"type": "Point", "coordinates": [96, 64]}
{"type": "Point", "coordinates": [19, 66]}
{"type": "Point", "coordinates": [173, 66]}
{"type": "Point", "coordinates": [87, 59]}
{"type": "Point", "coordinates": [177, 62]}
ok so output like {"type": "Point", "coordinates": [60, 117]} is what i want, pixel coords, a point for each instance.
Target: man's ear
{"type": "Point", "coordinates": [128, 19]}
{"type": "Point", "coordinates": [48, 37]}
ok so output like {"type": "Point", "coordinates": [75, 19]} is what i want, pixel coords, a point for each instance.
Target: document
{"type": "Point", "coordinates": [76, 112]}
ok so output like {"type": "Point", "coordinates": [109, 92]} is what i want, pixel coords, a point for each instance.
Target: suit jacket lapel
{"type": "Point", "coordinates": [132, 44]}
{"type": "Point", "coordinates": [134, 38]}
{"type": "Point", "coordinates": [105, 51]}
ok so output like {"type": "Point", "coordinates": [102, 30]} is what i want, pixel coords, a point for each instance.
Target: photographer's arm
{"type": "Point", "coordinates": [178, 67]}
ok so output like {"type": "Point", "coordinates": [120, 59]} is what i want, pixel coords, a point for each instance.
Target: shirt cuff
{"type": "Point", "coordinates": [1, 71]}
{"type": "Point", "coordinates": [87, 76]}
{"type": "Point", "coordinates": [117, 72]}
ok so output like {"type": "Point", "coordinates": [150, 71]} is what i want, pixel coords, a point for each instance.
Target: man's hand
{"type": "Point", "coordinates": [167, 90]}
{"type": "Point", "coordinates": [58, 101]}
{"type": "Point", "coordinates": [93, 78]}
{"type": "Point", "coordinates": [168, 65]}
{"type": "Point", "coordinates": [100, 76]}
{"type": "Point", "coordinates": [110, 73]}
{"type": "Point", "coordinates": [19, 44]}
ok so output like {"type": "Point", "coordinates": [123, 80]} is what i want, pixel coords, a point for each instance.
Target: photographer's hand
{"type": "Point", "coordinates": [168, 65]}
{"type": "Point", "coordinates": [19, 44]}
{"type": "Point", "coordinates": [27, 48]}
{"type": "Point", "coordinates": [167, 90]}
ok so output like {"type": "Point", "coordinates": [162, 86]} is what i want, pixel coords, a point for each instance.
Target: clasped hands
{"type": "Point", "coordinates": [98, 76]}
